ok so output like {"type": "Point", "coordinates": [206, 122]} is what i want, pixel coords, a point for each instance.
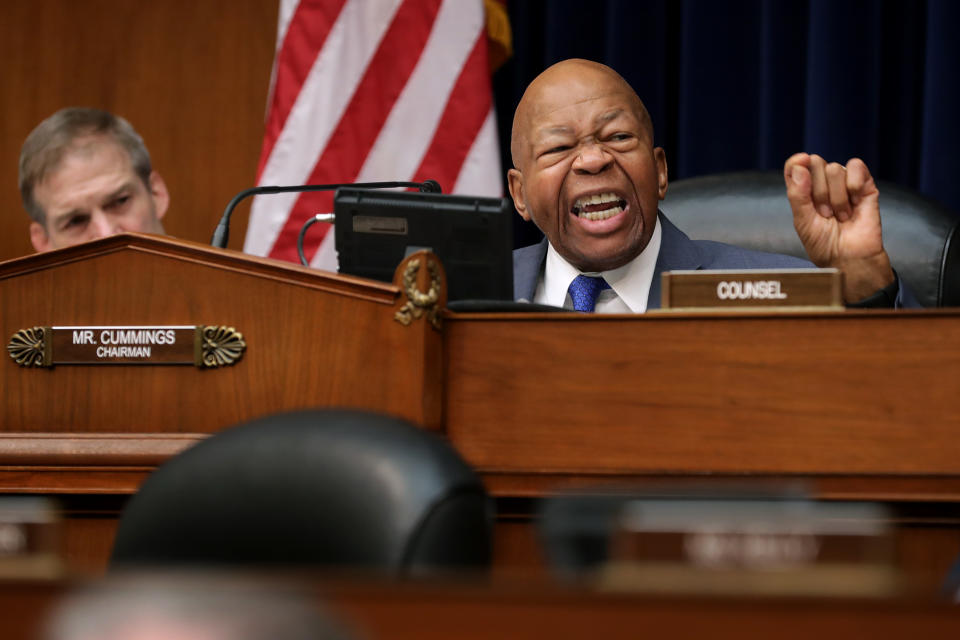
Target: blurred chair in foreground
{"type": "Point", "coordinates": [750, 209]}
{"type": "Point", "coordinates": [331, 488]}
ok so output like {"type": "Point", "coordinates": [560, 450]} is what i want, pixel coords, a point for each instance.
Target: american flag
{"type": "Point", "coordinates": [372, 90]}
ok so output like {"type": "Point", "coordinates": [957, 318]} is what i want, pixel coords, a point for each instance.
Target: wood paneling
{"type": "Point", "coordinates": [192, 78]}
{"type": "Point", "coordinates": [313, 339]}
{"type": "Point", "coordinates": [537, 610]}
{"type": "Point", "coordinates": [851, 393]}
{"type": "Point", "coordinates": [856, 405]}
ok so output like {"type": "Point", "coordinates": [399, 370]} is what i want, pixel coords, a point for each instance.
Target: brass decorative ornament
{"type": "Point", "coordinates": [220, 346]}
{"type": "Point", "coordinates": [27, 347]}
{"type": "Point", "coordinates": [419, 302]}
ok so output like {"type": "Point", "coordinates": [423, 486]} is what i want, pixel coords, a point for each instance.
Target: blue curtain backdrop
{"type": "Point", "coordinates": [743, 84]}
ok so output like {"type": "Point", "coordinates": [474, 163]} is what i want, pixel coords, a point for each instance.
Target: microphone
{"type": "Point", "coordinates": [222, 233]}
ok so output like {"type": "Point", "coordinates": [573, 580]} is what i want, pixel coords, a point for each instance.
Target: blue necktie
{"type": "Point", "coordinates": [584, 291]}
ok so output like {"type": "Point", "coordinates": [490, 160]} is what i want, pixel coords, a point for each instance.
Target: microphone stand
{"type": "Point", "coordinates": [222, 233]}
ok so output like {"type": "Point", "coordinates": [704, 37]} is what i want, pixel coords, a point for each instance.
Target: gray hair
{"type": "Point", "coordinates": [46, 145]}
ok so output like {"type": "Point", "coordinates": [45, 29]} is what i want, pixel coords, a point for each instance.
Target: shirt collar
{"type": "Point", "coordinates": [630, 282]}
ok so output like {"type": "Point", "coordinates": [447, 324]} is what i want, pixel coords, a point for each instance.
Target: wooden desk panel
{"type": "Point", "coordinates": [541, 610]}
{"type": "Point", "coordinates": [553, 612]}
{"type": "Point", "coordinates": [852, 393]}
{"type": "Point", "coordinates": [313, 339]}
{"type": "Point", "coordinates": [927, 537]}
{"type": "Point", "coordinates": [858, 405]}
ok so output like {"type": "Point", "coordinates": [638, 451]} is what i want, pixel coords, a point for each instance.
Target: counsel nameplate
{"type": "Point", "coordinates": [750, 289]}
{"type": "Point", "coordinates": [199, 345]}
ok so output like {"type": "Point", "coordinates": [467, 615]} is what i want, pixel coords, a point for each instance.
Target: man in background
{"type": "Point", "coordinates": [86, 174]}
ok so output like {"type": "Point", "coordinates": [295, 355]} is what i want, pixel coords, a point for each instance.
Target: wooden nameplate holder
{"type": "Point", "coordinates": [787, 289]}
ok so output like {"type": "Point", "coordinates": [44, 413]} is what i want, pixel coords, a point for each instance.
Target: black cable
{"type": "Point", "coordinates": [320, 217]}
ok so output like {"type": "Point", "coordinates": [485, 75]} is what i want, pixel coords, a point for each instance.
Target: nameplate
{"type": "Point", "coordinates": [752, 546]}
{"type": "Point", "coordinates": [31, 529]}
{"type": "Point", "coordinates": [789, 289]}
{"type": "Point", "coordinates": [198, 345]}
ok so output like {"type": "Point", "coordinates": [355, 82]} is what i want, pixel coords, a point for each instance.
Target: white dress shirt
{"type": "Point", "coordinates": [629, 284]}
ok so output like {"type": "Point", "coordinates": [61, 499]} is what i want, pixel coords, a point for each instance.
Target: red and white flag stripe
{"type": "Point", "coordinates": [371, 90]}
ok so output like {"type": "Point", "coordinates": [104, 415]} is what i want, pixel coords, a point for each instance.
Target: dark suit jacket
{"type": "Point", "coordinates": [677, 252]}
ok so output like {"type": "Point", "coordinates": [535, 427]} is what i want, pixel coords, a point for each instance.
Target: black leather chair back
{"type": "Point", "coordinates": [750, 209]}
{"type": "Point", "coordinates": [332, 488]}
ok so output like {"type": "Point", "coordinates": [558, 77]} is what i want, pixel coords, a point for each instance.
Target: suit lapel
{"type": "Point", "coordinates": [677, 251]}
{"type": "Point", "coordinates": [527, 265]}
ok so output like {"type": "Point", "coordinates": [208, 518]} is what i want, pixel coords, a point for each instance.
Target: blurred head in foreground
{"type": "Point", "coordinates": [191, 607]}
